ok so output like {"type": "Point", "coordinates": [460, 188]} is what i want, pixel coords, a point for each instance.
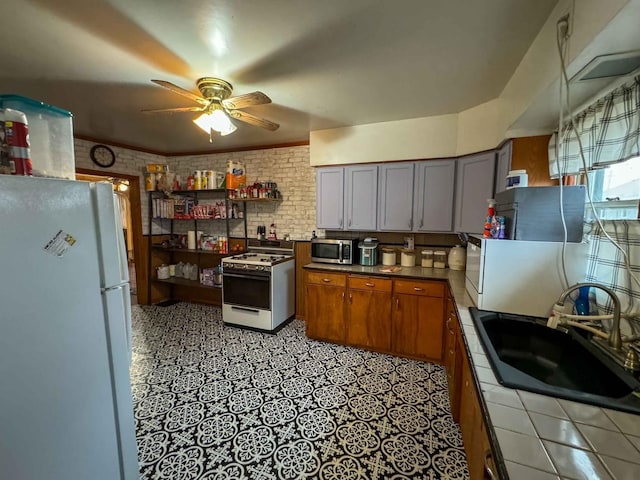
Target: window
{"type": "Point", "coordinates": [615, 190]}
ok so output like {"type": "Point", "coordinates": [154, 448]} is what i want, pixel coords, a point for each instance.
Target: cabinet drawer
{"type": "Point", "coordinates": [414, 287]}
{"type": "Point", "coordinates": [369, 283]}
{"type": "Point", "coordinates": [323, 278]}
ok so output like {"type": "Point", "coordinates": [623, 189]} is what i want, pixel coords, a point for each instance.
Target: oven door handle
{"type": "Point", "coordinates": [245, 309]}
{"type": "Point", "coordinates": [263, 277]}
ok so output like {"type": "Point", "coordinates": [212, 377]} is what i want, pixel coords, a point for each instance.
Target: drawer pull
{"type": "Point", "coordinates": [369, 284]}
{"type": "Point", "coordinates": [418, 289]}
{"type": "Point", "coordinates": [326, 280]}
{"type": "Point", "coordinates": [448, 323]}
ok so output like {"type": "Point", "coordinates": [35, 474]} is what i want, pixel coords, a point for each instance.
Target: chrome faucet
{"type": "Point", "coordinates": [615, 339]}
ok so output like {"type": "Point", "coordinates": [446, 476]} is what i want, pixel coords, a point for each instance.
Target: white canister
{"type": "Point", "coordinates": [163, 272]}
{"type": "Point", "coordinates": [388, 256]}
{"type": "Point", "coordinates": [457, 258]}
{"type": "Point", "coordinates": [439, 259]}
{"type": "Point", "coordinates": [408, 258]}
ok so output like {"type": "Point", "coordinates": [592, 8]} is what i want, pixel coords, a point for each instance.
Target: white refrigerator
{"type": "Point", "coordinates": [66, 411]}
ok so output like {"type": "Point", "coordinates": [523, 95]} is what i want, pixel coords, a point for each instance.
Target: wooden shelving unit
{"type": "Point", "coordinates": [181, 289]}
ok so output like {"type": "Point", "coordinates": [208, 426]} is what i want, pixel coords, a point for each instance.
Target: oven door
{"type": "Point", "coordinates": [251, 290]}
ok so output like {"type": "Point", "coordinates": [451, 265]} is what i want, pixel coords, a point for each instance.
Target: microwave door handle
{"type": "Point", "coordinates": [340, 247]}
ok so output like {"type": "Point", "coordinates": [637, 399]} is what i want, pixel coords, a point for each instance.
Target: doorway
{"type": "Point", "coordinates": [127, 189]}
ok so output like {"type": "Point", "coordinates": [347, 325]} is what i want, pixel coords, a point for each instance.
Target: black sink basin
{"type": "Point", "coordinates": [526, 354]}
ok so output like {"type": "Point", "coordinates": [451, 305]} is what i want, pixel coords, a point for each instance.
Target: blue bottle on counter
{"type": "Point", "coordinates": [582, 302]}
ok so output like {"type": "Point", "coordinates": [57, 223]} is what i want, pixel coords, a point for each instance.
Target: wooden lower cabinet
{"type": "Point", "coordinates": [369, 312]}
{"type": "Point", "coordinates": [453, 359]}
{"type": "Point", "coordinates": [417, 319]}
{"type": "Point", "coordinates": [474, 430]}
{"type": "Point", "coordinates": [403, 317]}
{"type": "Point", "coordinates": [325, 306]}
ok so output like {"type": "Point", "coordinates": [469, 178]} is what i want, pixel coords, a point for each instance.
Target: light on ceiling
{"type": "Point", "coordinates": [216, 120]}
{"type": "Point", "coordinates": [123, 186]}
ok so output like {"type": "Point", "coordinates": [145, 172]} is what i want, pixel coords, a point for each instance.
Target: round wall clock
{"type": "Point", "coordinates": [102, 156]}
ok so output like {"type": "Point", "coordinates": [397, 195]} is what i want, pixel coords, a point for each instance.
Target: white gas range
{"type": "Point", "coordinates": [258, 287]}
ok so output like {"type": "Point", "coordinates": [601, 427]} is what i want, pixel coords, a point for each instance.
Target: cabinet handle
{"type": "Point", "coordinates": [421, 223]}
{"type": "Point", "coordinates": [326, 280]}
{"type": "Point", "coordinates": [410, 224]}
{"type": "Point", "coordinates": [369, 284]}
{"type": "Point", "coordinates": [349, 222]}
{"type": "Point", "coordinates": [340, 223]}
{"type": "Point", "coordinates": [418, 289]}
{"type": "Point", "coordinates": [448, 322]}
{"type": "Point", "coordinates": [350, 298]}
{"type": "Point", "coordinates": [397, 303]}
{"type": "Point", "coordinates": [487, 468]}
{"type": "Point", "coordinates": [342, 297]}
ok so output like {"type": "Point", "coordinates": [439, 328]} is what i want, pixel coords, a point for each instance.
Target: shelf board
{"type": "Point", "coordinates": [255, 199]}
{"type": "Point", "coordinates": [192, 219]}
{"type": "Point", "coordinates": [187, 250]}
{"type": "Point", "coordinates": [186, 283]}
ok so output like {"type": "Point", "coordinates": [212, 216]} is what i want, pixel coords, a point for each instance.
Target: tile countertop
{"type": "Point", "coordinates": [538, 437]}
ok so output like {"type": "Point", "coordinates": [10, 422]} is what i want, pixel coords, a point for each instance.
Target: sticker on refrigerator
{"type": "Point", "coordinates": [59, 244]}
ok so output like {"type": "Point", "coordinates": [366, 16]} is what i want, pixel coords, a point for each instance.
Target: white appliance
{"type": "Point", "coordinates": [258, 287]}
{"type": "Point", "coordinates": [520, 277]}
{"type": "Point", "coordinates": [66, 410]}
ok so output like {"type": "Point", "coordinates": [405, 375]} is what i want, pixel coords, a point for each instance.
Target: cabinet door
{"type": "Point", "coordinates": [329, 198]}
{"type": "Point", "coordinates": [395, 199]}
{"type": "Point", "coordinates": [325, 312]}
{"type": "Point", "coordinates": [433, 198]}
{"type": "Point", "coordinates": [503, 166]}
{"type": "Point", "coordinates": [417, 326]}
{"type": "Point", "coordinates": [361, 196]}
{"type": "Point", "coordinates": [369, 319]}
{"type": "Point", "coordinates": [474, 185]}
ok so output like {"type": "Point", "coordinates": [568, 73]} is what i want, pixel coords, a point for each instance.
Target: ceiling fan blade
{"type": "Point", "coordinates": [246, 100]}
{"type": "Point", "coordinates": [181, 91]}
{"type": "Point", "coordinates": [253, 120]}
{"type": "Point", "coordinates": [174, 110]}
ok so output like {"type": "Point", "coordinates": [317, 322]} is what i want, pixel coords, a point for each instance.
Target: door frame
{"type": "Point", "coordinates": [136, 217]}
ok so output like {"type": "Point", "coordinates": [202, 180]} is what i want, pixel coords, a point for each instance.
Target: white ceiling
{"type": "Point", "coordinates": [324, 63]}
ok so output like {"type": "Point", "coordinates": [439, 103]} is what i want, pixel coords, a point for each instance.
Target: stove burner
{"type": "Point", "coordinates": [272, 258]}
{"type": "Point", "coordinates": [244, 256]}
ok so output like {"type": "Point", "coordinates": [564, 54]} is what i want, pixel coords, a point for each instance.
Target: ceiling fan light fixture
{"type": "Point", "coordinates": [216, 120]}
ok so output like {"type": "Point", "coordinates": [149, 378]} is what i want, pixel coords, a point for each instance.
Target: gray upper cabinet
{"type": "Point", "coordinates": [474, 185]}
{"type": "Point", "coordinates": [434, 196]}
{"type": "Point", "coordinates": [395, 196]}
{"type": "Point", "coordinates": [329, 198]}
{"type": "Point", "coordinates": [361, 197]}
{"type": "Point", "coordinates": [503, 166]}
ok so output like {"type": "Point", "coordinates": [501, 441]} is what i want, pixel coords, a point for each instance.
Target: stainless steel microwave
{"type": "Point", "coordinates": [331, 250]}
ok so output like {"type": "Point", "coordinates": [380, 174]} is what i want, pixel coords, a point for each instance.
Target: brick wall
{"type": "Point", "coordinates": [288, 167]}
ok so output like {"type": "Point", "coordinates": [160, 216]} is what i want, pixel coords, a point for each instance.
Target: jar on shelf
{"type": "Point", "coordinates": [407, 258]}
{"type": "Point", "coordinates": [439, 259]}
{"type": "Point", "coordinates": [427, 258]}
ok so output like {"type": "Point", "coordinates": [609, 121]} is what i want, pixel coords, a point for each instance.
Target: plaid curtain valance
{"type": "Point", "coordinates": [609, 131]}
{"type": "Point", "coordinates": [606, 265]}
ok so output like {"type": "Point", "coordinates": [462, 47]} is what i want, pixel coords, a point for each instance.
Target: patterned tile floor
{"type": "Point", "coordinates": [214, 402]}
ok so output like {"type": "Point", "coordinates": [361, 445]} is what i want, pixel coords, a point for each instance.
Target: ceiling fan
{"type": "Point", "coordinates": [218, 106]}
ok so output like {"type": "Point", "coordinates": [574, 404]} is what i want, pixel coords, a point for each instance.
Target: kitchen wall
{"type": "Point", "coordinates": [288, 167]}
{"type": "Point", "coordinates": [482, 127]}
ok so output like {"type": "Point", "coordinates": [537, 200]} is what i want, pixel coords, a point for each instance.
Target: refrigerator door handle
{"type": "Point", "coordinates": [114, 287]}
